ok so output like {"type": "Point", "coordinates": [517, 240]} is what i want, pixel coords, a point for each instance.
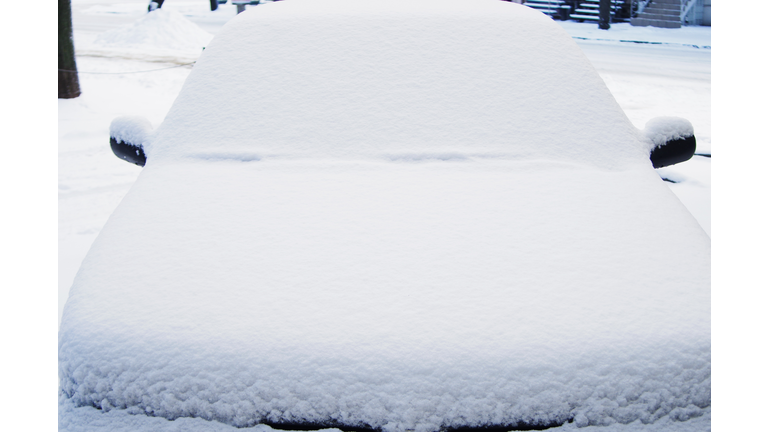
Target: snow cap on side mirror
{"type": "Point", "coordinates": [127, 136]}
{"type": "Point", "coordinates": [671, 140]}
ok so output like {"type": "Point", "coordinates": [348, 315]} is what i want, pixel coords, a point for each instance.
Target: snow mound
{"type": "Point", "coordinates": [116, 9]}
{"type": "Point", "coordinates": [661, 130]}
{"type": "Point", "coordinates": [160, 29]}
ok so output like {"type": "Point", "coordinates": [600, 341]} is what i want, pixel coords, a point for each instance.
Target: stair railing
{"type": "Point", "coordinates": [641, 4]}
{"type": "Point", "coordinates": [685, 8]}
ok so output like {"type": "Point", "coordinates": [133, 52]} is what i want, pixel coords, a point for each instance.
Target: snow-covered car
{"type": "Point", "coordinates": [394, 215]}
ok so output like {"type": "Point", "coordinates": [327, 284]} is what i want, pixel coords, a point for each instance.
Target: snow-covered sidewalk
{"type": "Point", "coordinates": [687, 36]}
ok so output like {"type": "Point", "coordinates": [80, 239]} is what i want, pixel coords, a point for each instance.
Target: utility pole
{"type": "Point", "coordinates": [605, 15]}
{"type": "Point", "coordinates": [69, 84]}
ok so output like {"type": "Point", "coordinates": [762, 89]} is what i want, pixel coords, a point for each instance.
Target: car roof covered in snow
{"type": "Point", "coordinates": [397, 78]}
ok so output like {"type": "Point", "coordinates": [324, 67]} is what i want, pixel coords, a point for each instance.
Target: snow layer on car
{"type": "Point", "coordinates": [662, 130]}
{"type": "Point", "coordinates": [362, 78]}
{"type": "Point", "coordinates": [88, 419]}
{"type": "Point", "coordinates": [442, 256]}
{"type": "Point", "coordinates": [397, 295]}
{"type": "Point", "coordinates": [129, 129]}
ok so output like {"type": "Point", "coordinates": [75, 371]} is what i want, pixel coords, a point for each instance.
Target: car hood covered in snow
{"type": "Point", "coordinates": [296, 260]}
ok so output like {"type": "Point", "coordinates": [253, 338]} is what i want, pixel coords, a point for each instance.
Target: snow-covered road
{"type": "Point", "coordinates": [670, 78]}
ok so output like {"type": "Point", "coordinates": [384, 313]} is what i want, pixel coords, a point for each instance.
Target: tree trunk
{"type": "Point", "coordinates": [69, 85]}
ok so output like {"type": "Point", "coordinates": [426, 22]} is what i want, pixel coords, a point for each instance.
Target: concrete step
{"type": "Point", "coordinates": [594, 6]}
{"type": "Point", "coordinates": [660, 9]}
{"type": "Point", "coordinates": [660, 13]}
{"type": "Point", "coordinates": [547, 11]}
{"type": "Point", "coordinates": [597, 3]}
{"type": "Point", "coordinates": [553, 3]}
{"type": "Point", "coordinates": [643, 22]}
{"type": "Point", "coordinates": [658, 16]}
{"type": "Point", "coordinates": [543, 8]}
{"type": "Point", "coordinates": [585, 17]}
{"type": "Point", "coordinates": [589, 10]}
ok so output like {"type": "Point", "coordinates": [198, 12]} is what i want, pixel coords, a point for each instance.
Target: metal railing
{"type": "Point", "coordinates": [686, 6]}
{"type": "Point", "coordinates": [639, 6]}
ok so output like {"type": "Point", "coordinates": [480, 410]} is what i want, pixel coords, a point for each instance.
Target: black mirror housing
{"type": "Point", "coordinates": [671, 140]}
{"type": "Point", "coordinates": [128, 152]}
{"type": "Point", "coordinates": [673, 152]}
{"type": "Point", "coordinates": [127, 136]}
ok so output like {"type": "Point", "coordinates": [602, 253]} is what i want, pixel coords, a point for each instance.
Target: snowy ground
{"type": "Point", "coordinates": [671, 76]}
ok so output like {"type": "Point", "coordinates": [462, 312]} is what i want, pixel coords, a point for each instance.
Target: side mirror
{"type": "Point", "coordinates": [672, 140]}
{"type": "Point", "coordinates": [127, 136]}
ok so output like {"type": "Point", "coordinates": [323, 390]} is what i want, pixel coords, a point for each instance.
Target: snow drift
{"type": "Point", "coordinates": [160, 32]}
{"type": "Point", "coordinates": [410, 221]}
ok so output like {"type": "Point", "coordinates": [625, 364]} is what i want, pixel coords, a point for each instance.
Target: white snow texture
{"type": "Point", "coordinates": [408, 215]}
{"type": "Point", "coordinates": [404, 79]}
{"type": "Point", "coordinates": [661, 130]}
{"type": "Point", "coordinates": [130, 129]}
{"type": "Point", "coordinates": [159, 29]}
{"type": "Point", "coordinates": [87, 419]}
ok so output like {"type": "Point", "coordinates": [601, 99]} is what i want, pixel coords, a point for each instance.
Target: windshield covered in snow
{"type": "Point", "coordinates": [450, 79]}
